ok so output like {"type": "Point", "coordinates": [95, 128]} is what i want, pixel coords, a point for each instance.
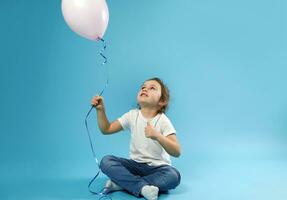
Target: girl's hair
{"type": "Point", "coordinates": [164, 94]}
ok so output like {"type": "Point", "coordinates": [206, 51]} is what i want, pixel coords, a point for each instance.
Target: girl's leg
{"type": "Point", "coordinates": [164, 177]}
{"type": "Point", "coordinates": [123, 172]}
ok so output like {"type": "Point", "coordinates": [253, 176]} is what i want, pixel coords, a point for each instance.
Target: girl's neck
{"type": "Point", "coordinates": [148, 112]}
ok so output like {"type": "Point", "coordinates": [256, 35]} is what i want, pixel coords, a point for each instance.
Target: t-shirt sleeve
{"type": "Point", "coordinates": [125, 120]}
{"type": "Point", "coordinates": [167, 127]}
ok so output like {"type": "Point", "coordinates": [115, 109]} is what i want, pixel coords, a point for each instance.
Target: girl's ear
{"type": "Point", "coordinates": [162, 103]}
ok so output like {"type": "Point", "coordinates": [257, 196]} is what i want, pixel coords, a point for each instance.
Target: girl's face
{"type": "Point", "coordinates": [149, 94]}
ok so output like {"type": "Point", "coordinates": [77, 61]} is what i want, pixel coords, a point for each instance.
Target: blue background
{"type": "Point", "coordinates": [225, 63]}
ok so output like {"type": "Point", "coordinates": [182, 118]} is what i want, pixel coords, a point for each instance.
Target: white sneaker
{"type": "Point", "coordinates": [111, 186]}
{"type": "Point", "coordinates": [150, 192]}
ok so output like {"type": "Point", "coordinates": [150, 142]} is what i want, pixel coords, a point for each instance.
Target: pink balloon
{"type": "Point", "coordinates": [88, 18]}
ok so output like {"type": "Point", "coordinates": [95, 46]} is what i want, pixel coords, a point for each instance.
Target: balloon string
{"type": "Point", "coordinates": [103, 193]}
{"type": "Point", "coordinates": [105, 61]}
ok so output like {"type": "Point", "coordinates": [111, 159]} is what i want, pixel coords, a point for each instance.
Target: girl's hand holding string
{"type": "Point", "coordinates": [98, 102]}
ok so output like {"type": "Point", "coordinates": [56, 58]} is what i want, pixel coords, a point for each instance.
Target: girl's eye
{"type": "Point", "coordinates": [152, 88]}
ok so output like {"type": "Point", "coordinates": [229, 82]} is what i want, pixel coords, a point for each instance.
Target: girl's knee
{"type": "Point", "coordinates": [174, 176]}
{"type": "Point", "coordinates": [107, 162]}
{"type": "Point", "coordinates": [178, 177]}
{"type": "Point", "coordinates": [168, 178]}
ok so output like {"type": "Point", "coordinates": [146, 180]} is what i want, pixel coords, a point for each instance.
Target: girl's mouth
{"type": "Point", "coordinates": [144, 94]}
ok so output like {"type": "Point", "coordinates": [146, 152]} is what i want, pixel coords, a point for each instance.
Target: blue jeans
{"type": "Point", "coordinates": [132, 176]}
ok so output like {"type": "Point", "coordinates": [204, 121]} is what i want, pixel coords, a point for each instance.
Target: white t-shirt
{"type": "Point", "coordinates": [143, 149]}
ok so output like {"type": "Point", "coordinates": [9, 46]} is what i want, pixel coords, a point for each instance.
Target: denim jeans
{"type": "Point", "coordinates": [132, 176]}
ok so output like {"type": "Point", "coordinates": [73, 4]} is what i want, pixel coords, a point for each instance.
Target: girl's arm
{"type": "Point", "coordinates": [169, 143]}
{"type": "Point", "coordinates": [105, 126]}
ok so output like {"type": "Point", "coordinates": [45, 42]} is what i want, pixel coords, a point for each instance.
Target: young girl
{"type": "Point", "coordinates": [153, 140]}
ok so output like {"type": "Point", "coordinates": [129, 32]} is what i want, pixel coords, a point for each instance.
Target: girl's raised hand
{"type": "Point", "coordinates": [98, 102]}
